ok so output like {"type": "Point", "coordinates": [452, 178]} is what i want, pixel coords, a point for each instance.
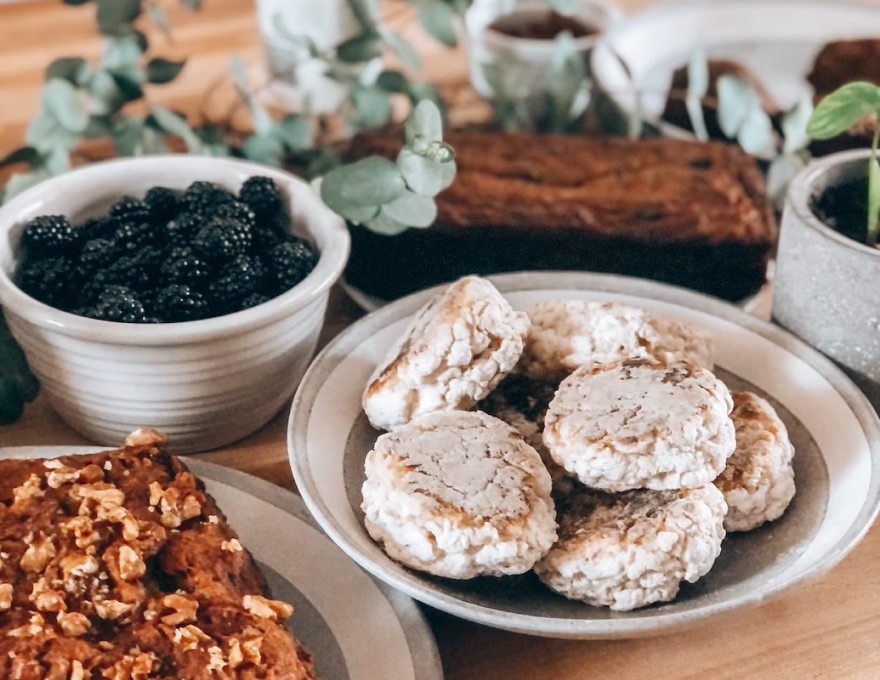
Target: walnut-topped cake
{"type": "Point", "coordinates": [118, 565]}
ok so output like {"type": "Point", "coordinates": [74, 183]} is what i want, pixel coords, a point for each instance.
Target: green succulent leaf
{"type": "Point", "coordinates": [412, 210]}
{"type": "Point", "coordinates": [174, 124]}
{"type": "Point", "coordinates": [373, 181]}
{"type": "Point", "coordinates": [55, 161]}
{"type": "Point", "coordinates": [265, 149]}
{"type": "Point", "coordinates": [26, 154]}
{"type": "Point", "coordinates": [383, 223]}
{"type": "Point", "coordinates": [121, 54]}
{"type": "Point", "coordinates": [322, 162]}
{"type": "Point", "coordinates": [424, 176]}
{"type": "Point", "coordinates": [781, 172]}
{"type": "Point", "coordinates": [404, 51]}
{"type": "Point", "coordinates": [141, 40]}
{"type": "Point", "coordinates": [295, 132]}
{"type": "Point", "coordinates": [116, 16]}
{"type": "Point", "coordinates": [735, 97]}
{"type": "Point", "coordinates": [45, 132]}
{"type": "Point", "coordinates": [360, 214]}
{"type": "Point", "coordinates": [420, 90]}
{"type": "Point", "coordinates": [756, 134]}
{"type": "Point", "coordinates": [98, 126]}
{"type": "Point", "coordinates": [129, 87]}
{"type": "Point", "coordinates": [106, 98]}
{"type": "Point", "coordinates": [438, 19]}
{"type": "Point", "coordinates": [67, 68]}
{"type": "Point", "coordinates": [366, 12]}
{"type": "Point", "coordinates": [213, 139]}
{"type": "Point", "coordinates": [794, 126]}
{"type": "Point", "coordinates": [161, 71]}
{"type": "Point", "coordinates": [372, 104]}
{"type": "Point", "coordinates": [841, 109]}
{"type": "Point", "coordinates": [61, 101]}
{"type": "Point", "coordinates": [393, 81]}
{"type": "Point", "coordinates": [128, 136]}
{"type": "Point", "coordinates": [425, 123]}
{"type": "Point", "coordinates": [361, 48]}
{"type": "Point", "coordinates": [698, 85]}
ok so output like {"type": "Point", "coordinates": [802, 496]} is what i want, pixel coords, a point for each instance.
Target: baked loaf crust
{"type": "Point", "coordinates": [119, 565]}
{"type": "Point", "coordinates": [687, 213]}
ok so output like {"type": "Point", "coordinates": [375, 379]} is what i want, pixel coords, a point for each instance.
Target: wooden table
{"type": "Point", "coordinates": [825, 631]}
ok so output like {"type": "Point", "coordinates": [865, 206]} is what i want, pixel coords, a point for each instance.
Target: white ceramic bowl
{"type": "Point", "coordinates": [204, 383]}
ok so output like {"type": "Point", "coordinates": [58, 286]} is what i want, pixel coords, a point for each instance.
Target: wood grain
{"type": "Point", "coordinates": [827, 630]}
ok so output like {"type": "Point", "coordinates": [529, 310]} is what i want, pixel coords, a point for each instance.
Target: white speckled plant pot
{"type": "Point", "coordinates": [827, 288]}
{"type": "Point", "coordinates": [203, 383]}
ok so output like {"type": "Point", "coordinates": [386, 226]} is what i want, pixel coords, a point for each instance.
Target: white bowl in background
{"type": "Point", "coordinates": [204, 383]}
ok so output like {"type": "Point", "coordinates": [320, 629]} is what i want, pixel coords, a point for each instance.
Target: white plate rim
{"type": "Point", "coordinates": [352, 337]}
{"type": "Point", "coordinates": [419, 637]}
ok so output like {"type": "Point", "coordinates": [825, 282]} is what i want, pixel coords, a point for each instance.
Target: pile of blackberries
{"type": "Point", "coordinates": [167, 257]}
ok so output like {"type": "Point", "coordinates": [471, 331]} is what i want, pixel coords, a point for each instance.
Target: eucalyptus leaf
{"type": "Point", "coordinates": [302, 42]}
{"type": "Point", "coordinates": [26, 154]}
{"type": "Point", "coordinates": [385, 224]}
{"type": "Point", "coordinates": [424, 122]}
{"type": "Point", "coordinates": [260, 118]}
{"type": "Point", "coordinates": [129, 87]}
{"type": "Point", "coordinates": [76, 2]}
{"type": "Point", "coordinates": [873, 198]}
{"type": "Point", "coordinates": [423, 91]}
{"type": "Point", "coordinates": [423, 176]}
{"type": "Point", "coordinates": [116, 16]}
{"type": "Point", "coordinates": [295, 132]}
{"type": "Point", "coordinates": [163, 71]}
{"type": "Point", "coordinates": [98, 126]}
{"type": "Point", "coordinates": [140, 40]}
{"type": "Point", "coordinates": [794, 126]}
{"type": "Point", "coordinates": [192, 4]}
{"type": "Point", "coordinates": [756, 134]}
{"type": "Point", "coordinates": [404, 51]}
{"type": "Point", "coordinates": [373, 106]}
{"type": "Point", "coordinates": [563, 6]}
{"type": "Point", "coordinates": [239, 74]}
{"type": "Point", "coordinates": [412, 210]}
{"type": "Point", "coordinates": [781, 172]}
{"type": "Point", "coordinates": [154, 140]}
{"type": "Point", "coordinates": [361, 48]}
{"type": "Point", "coordinates": [128, 136]}
{"type": "Point", "coordinates": [371, 181]}
{"type": "Point", "coordinates": [393, 81]}
{"type": "Point", "coordinates": [106, 99]}
{"type": "Point", "coordinates": [265, 149]}
{"type": "Point", "coordinates": [157, 16]}
{"type": "Point", "coordinates": [175, 125]}
{"type": "Point", "coordinates": [61, 101]}
{"type": "Point", "coordinates": [55, 161]}
{"type": "Point", "coordinates": [20, 182]}
{"type": "Point", "coordinates": [366, 12]}
{"type": "Point", "coordinates": [213, 140]}
{"type": "Point", "coordinates": [698, 86]}
{"type": "Point", "coordinates": [121, 54]}
{"type": "Point", "coordinates": [438, 19]}
{"type": "Point", "coordinates": [735, 97]}
{"type": "Point", "coordinates": [841, 109]}
{"type": "Point", "coordinates": [360, 214]}
{"type": "Point", "coordinates": [322, 162]}
{"type": "Point", "coordinates": [67, 68]}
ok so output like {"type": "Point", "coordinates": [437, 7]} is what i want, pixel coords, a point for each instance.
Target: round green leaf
{"type": "Point", "coordinates": [438, 19]}
{"type": "Point", "coordinates": [780, 174]}
{"type": "Point", "coordinates": [365, 11]}
{"type": "Point", "coordinates": [373, 181]}
{"type": "Point", "coordinates": [841, 109]}
{"type": "Point", "coordinates": [116, 16]}
{"type": "Point", "coordinates": [265, 149]}
{"type": "Point", "coordinates": [106, 99]}
{"type": "Point", "coordinates": [404, 51]}
{"type": "Point", "coordinates": [735, 97]}
{"type": "Point", "coordinates": [61, 101]}
{"type": "Point", "coordinates": [385, 224]}
{"type": "Point", "coordinates": [756, 134]}
{"type": "Point", "coordinates": [425, 122]}
{"type": "Point", "coordinates": [128, 86]}
{"type": "Point", "coordinates": [373, 106]}
{"type": "Point", "coordinates": [67, 68]}
{"type": "Point", "coordinates": [161, 71]}
{"type": "Point", "coordinates": [361, 48]}
{"type": "Point", "coordinates": [412, 210]}
{"type": "Point", "coordinates": [128, 136]}
{"type": "Point", "coordinates": [392, 81]}
{"type": "Point", "coordinates": [794, 126]}
{"type": "Point", "coordinates": [45, 132]}
{"type": "Point", "coordinates": [423, 176]}
{"type": "Point", "coordinates": [360, 214]}
{"type": "Point", "coordinates": [295, 132]}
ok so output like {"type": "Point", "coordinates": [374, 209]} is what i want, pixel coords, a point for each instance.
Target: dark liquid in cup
{"type": "Point", "coordinates": [543, 27]}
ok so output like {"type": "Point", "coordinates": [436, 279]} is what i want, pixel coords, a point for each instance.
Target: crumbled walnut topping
{"type": "Point", "coordinates": [149, 615]}
{"type": "Point", "coordinates": [77, 672]}
{"type": "Point", "coordinates": [191, 508]}
{"type": "Point", "coordinates": [32, 488]}
{"type": "Point", "coordinates": [232, 545]}
{"type": "Point", "coordinates": [131, 566]}
{"type": "Point", "coordinates": [216, 662]}
{"type": "Point", "coordinates": [74, 624]}
{"type": "Point", "coordinates": [143, 665]}
{"type": "Point", "coordinates": [79, 566]}
{"type": "Point", "coordinates": [251, 650]}
{"type": "Point", "coordinates": [102, 493]}
{"type": "Point", "coordinates": [52, 464]}
{"type": "Point", "coordinates": [5, 596]}
{"type": "Point", "coordinates": [145, 436]}
{"type": "Point", "coordinates": [236, 657]}
{"type": "Point", "coordinates": [156, 493]}
{"type": "Point", "coordinates": [45, 599]}
{"type": "Point", "coordinates": [213, 519]}
{"type": "Point", "coordinates": [61, 476]}
{"type": "Point", "coordinates": [40, 551]}
{"type": "Point", "coordinates": [108, 466]}
{"type": "Point", "coordinates": [170, 516]}
{"type": "Point", "coordinates": [112, 609]}
{"type": "Point", "coordinates": [184, 608]}
{"type": "Point", "coordinates": [34, 627]}
{"type": "Point", "coordinates": [84, 531]}
{"type": "Point", "coordinates": [266, 608]}
{"type": "Point", "coordinates": [189, 637]}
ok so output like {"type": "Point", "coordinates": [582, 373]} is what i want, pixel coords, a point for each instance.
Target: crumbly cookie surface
{"type": "Point", "coordinates": [640, 424]}
{"type": "Point", "coordinates": [118, 565]}
{"type": "Point", "coordinates": [632, 549]}
{"type": "Point", "coordinates": [457, 348]}
{"type": "Point", "coordinates": [567, 335]}
{"type": "Point", "coordinates": [459, 495]}
{"type": "Point", "coordinates": [758, 480]}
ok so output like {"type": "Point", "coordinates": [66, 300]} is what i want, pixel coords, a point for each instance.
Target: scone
{"type": "Point", "coordinates": [758, 481]}
{"type": "Point", "coordinates": [641, 425]}
{"type": "Point", "coordinates": [522, 402]}
{"type": "Point", "coordinates": [457, 348]}
{"type": "Point", "coordinates": [567, 335]}
{"type": "Point", "coordinates": [459, 495]}
{"type": "Point", "coordinates": [632, 549]}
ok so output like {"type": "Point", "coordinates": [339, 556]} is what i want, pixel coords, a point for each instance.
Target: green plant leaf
{"type": "Point", "coordinates": [98, 126]}
{"type": "Point", "coordinates": [563, 6]}
{"type": "Point", "coordinates": [141, 40]}
{"type": "Point", "coordinates": [422, 91]}
{"type": "Point", "coordinates": [404, 51]}
{"type": "Point", "coordinates": [373, 106]}
{"type": "Point", "coordinates": [794, 126]}
{"type": "Point", "coordinates": [55, 162]}
{"type": "Point", "coordinates": [412, 210]}
{"type": "Point", "coordinates": [163, 71]}
{"type": "Point", "coordinates": [157, 16]}
{"type": "Point", "coordinates": [756, 134]}
{"type": "Point", "coordinates": [385, 224]}
{"type": "Point", "coordinates": [322, 162]}
{"type": "Point", "coordinates": [372, 181]}
{"type": "Point", "coordinates": [393, 81]}
{"type": "Point", "coordinates": [26, 154]}
{"type": "Point", "coordinates": [423, 176]}
{"type": "Point", "coordinates": [265, 149]}
{"type": "Point", "coordinates": [194, 5]}
{"type": "Point", "coordinates": [121, 54]}
{"type": "Point", "coordinates": [128, 87]}
{"type": "Point", "coordinates": [781, 172]}
{"type": "Point", "coordinates": [366, 12]}
{"type": "Point", "coordinates": [302, 42]}
{"type": "Point", "coordinates": [67, 68]}
{"type": "Point", "coordinates": [260, 118]}
{"type": "Point", "coordinates": [45, 132]}
{"type": "Point", "coordinates": [735, 97]}
{"type": "Point", "coordinates": [438, 19]}
{"type": "Point", "coordinates": [175, 125]}
{"type": "Point", "coordinates": [698, 85]}
{"type": "Point", "coordinates": [76, 2]}
{"type": "Point", "coordinates": [424, 124]}
{"type": "Point", "coordinates": [106, 98]}
{"type": "Point", "coordinates": [61, 101]}
{"type": "Point", "coordinates": [20, 182]}
{"type": "Point", "coordinates": [873, 198]}
{"type": "Point", "coordinates": [361, 214]}
{"type": "Point", "coordinates": [128, 136]}
{"type": "Point", "coordinates": [295, 132]}
{"type": "Point", "coordinates": [213, 139]}
{"type": "Point", "coordinates": [841, 109]}
{"type": "Point", "coordinates": [361, 48]}
{"type": "Point", "coordinates": [116, 16]}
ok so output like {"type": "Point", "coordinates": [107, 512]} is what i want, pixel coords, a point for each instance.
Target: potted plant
{"type": "Point", "coordinates": [828, 245]}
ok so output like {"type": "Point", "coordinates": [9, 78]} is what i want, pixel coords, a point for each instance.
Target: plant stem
{"type": "Point", "coordinates": [873, 222]}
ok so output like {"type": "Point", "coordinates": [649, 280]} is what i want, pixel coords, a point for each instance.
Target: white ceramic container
{"type": "Point", "coordinates": [204, 383]}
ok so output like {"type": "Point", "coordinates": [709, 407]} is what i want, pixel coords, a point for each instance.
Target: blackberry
{"type": "Point", "coordinates": [118, 303]}
{"type": "Point", "coordinates": [129, 208]}
{"type": "Point", "coordinates": [180, 303]}
{"type": "Point", "coordinates": [162, 204]}
{"type": "Point", "coordinates": [132, 236]}
{"type": "Point", "coordinates": [49, 234]}
{"type": "Point", "coordinates": [237, 281]}
{"type": "Point", "coordinates": [263, 196]}
{"type": "Point", "coordinates": [52, 280]}
{"type": "Point", "coordinates": [288, 264]}
{"type": "Point", "coordinates": [96, 254]}
{"type": "Point", "coordinates": [238, 211]}
{"type": "Point", "coordinates": [268, 234]}
{"type": "Point", "coordinates": [182, 229]}
{"type": "Point", "coordinates": [253, 300]}
{"type": "Point", "coordinates": [138, 272]}
{"type": "Point", "coordinates": [223, 239]}
{"type": "Point", "coordinates": [184, 267]}
{"type": "Point", "coordinates": [203, 198]}
{"type": "Point", "coordinates": [96, 228]}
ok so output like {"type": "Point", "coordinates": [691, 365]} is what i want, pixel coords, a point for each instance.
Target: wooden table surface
{"type": "Point", "coordinates": [828, 630]}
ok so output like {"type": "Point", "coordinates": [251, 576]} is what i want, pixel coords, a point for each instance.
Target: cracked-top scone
{"type": "Point", "coordinates": [632, 549]}
{"type": "Point", "coordinates": [758, 481]}
{"type": "Point", "coordinates": [459, 495]}
{"type": "Point", "coordinates": [457, 348]}
{"type": "Point", "coordinates": [569, 334]}
{"type": "Point", "coordinates": [522, 401]}
{"type": "Point", "coordinates": [641, 425]}
{"type": "Point", "coordinates": [118, 565]}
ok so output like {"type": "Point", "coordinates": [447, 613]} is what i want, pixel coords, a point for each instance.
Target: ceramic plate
{"type": "Point", "coordinates": [357, 628]}
{"type": "Point", "coordinates": [834, 429]}
{"type": "Point", "coordinates": [777, 40]}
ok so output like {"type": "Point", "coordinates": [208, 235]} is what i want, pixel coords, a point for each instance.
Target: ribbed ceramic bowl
{"type": "Point", "coordinates": [204, 383]}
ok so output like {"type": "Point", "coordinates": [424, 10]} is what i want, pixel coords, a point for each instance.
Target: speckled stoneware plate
{"type": "Point", "coordinates": [357, 628]}
{"type": "Point", "coordinates": [834, 429]}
